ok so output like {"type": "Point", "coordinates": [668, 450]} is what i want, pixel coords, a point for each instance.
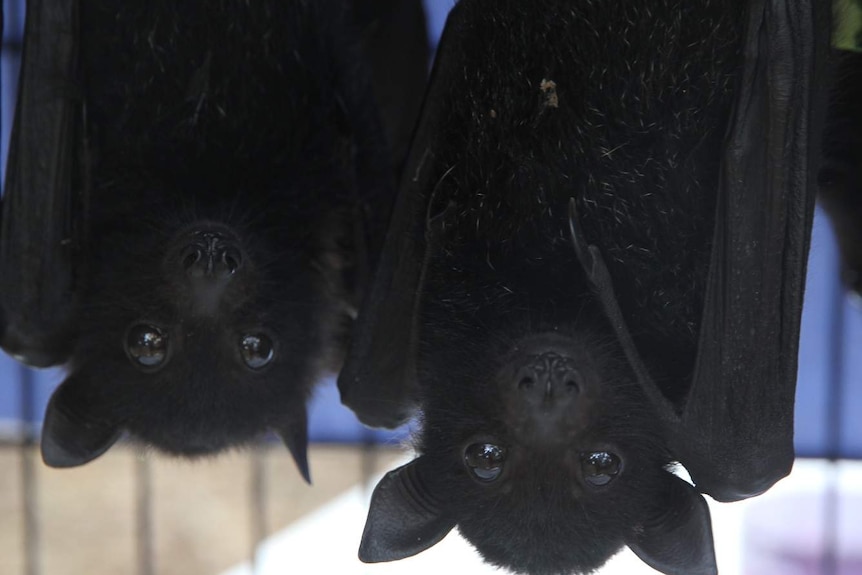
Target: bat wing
{"type": "Point", "coordinates": [735, 434]}
{"type": "Point", "coordinates": [395, 45]}
{"type": "Point", "coordinates": [377, 380]}
{"type": "Point", "coordinates": [395, 42]}
{"type": "Point", "coordinates": [38, 220]}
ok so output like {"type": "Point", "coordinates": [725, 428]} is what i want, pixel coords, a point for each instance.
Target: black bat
{"type": "Point", "coordinates": [840, 177]}
{"type": "Point", "coordinates": [594, 271]}
{"type": "Point", "coordinates": [191, 199]}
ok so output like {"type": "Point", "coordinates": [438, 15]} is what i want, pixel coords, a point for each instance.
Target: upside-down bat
{"type": "Point", "coordinates": [594, 272]}
{"type": "Point", "coordinates": [188, 218]}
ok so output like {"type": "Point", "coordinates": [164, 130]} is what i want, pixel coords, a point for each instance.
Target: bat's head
{"type": "Point", "coordinates": [197, 344]}
{"type": "Point", "coordinates": [548, 459]}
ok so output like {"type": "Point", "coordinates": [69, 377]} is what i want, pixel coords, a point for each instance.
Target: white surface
{"type": "Point", "coordinates": [786, 519]}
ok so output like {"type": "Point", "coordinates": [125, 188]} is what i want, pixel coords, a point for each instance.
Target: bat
{"type": "Point", "coordinates": [593, 273]}
{"type": "Point", "coordinates": [191, 202]}
{"type": "Point", "coordinates": [840, 177]}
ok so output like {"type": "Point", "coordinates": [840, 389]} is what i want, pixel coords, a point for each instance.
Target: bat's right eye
{"type": "Point", "coordinates": [600, 468]}
{"type": "Point", "coordinates": [485, 461]}
{"type": "Point", "coordinates": [257, 350]}
{"type": "Point", "coordinates": [147, 346]}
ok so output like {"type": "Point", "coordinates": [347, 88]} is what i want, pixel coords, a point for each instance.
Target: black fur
{"type": "Point", "coordinates": [644, 95]}
{"type": "Point", "coordinates": [622, 106]}
{"type": "Point", "coordinates": [840, 177]}
{"type": "Point", "coordinates": [250, 121]}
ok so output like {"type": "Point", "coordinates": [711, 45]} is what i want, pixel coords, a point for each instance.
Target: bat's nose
{"type": "Point", "coordinates": [548, 381]}
{"type": "Point", "coordinates": [207, 266]}
{"type": "Point", "coordinates": [210, 255]}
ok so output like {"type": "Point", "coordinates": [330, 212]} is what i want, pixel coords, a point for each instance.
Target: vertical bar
{"type": "Point", "coordinates": [12, 51]}
{"type": "Point", "coordinates": [2, 52]}
{"type": "Point", "coordinates": [32, 547]}
{"type": "Point", "coordinates": [834, 396]}
{"type": "Point", "coordinates": [258, 502]}
{"type": "Point", "coordinates": [829, 561]}
{"type": "Point", "coordinates": [28, 439]}
{"type": "Point", "coordinates": [144, 516]}
{"type": "Point", "coordinates": [368, 461]}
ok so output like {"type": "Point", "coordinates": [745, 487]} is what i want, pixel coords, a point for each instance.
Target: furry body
{"type": "Point", "coordinates": [622, 107]}
{"type": "Point", "coordinates": [642, 99]}
{"type": "Point", "coordinates": [249, 122]}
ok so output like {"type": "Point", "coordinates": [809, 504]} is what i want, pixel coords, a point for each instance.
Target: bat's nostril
{"type": "Point", "coordinates": [190, 257]}
{"type": "Point", "coordinates": [217, 259]}
{"type": "Point", "coordinates": [231, 259]}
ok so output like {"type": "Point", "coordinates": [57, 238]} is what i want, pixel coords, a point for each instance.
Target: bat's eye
{"type": "Point", "coordinates": [256, 349]}
{"type": "Point", "coordinates": [599, 468]}
{"type": "Point", "coordinates": [147, 346]}
{"type": "Point", "coordinates": [485, 461]}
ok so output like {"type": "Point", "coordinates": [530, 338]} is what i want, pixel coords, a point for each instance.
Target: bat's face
{"type": "Point", "coordinates": [554, 455]}
{"type": "Point", "coordinates": [200, 342]}
{"type": "Point", "coordinates": [537, 443]}
{"type": "Point", "coordinates": [212, 363]}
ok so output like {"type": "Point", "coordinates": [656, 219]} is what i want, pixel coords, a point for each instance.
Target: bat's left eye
{"type": "Point", "coordinates": [257, 350]}
{"type": "Point", "coordinates": [147, 346]}
{"type": "Point", "coordinates": [485, 461]}
{"type": "Point", "coordinates": [600, 467]}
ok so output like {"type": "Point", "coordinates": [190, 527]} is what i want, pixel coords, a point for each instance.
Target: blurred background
{"type": "Point", "coordinates": [136, 512]}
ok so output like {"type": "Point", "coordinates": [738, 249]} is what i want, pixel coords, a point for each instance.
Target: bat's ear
{"type": "Point", "coordinates": [294, 434]}
{"type": "Point", "coordinates": [405, 517]}
{"type": "Point", "coordinates": [677, 540]}
{"type": "Point", "coordinates": [74, 431]}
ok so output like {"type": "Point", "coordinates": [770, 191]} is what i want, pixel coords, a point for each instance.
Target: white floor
{"type": "Point", "coordinates": [780, 533]}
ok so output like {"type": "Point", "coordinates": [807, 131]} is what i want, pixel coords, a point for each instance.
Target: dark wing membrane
{"type": "Point", "coordinates": [377, 381]}
{"type": "Point", "coordinates": [395, 41]}
{"type": "Point", "coordinates": [36, 246]}
{"type": "Point", "coordinates": [736, 433]}
{"type": "Point", "coordinates": [395, 46]}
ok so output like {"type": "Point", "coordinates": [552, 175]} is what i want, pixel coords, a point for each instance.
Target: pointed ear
{"type": "Point", "coordinates": [74, 432]}
{"type": "Point", "coordinates": [677, 540]}
{"type": "Point", "coordinates": [294, 434]}
{"type": "Point", "coordinates": [405, 518]}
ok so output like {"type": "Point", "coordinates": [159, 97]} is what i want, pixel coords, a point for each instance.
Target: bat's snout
{"type": "Point", "coordinates": [207, 268]}
{"type": "Point", "coordinates": [547, 382]}
{"type": "Point", "coordinates": [211, 255]}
